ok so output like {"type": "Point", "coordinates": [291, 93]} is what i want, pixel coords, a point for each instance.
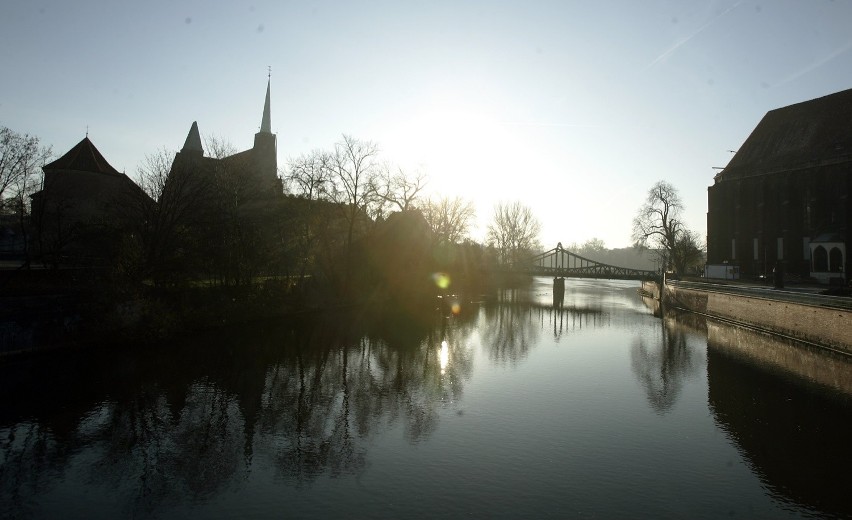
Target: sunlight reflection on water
{"type": "Point", "coordinates": [508, 408]}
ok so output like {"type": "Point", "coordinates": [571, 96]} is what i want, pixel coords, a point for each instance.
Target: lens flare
{"type": "Point", "coordinates": [442, 280]}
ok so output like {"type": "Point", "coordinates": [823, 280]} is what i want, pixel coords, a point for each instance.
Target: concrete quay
{"type": "Point", "coordinates": [799, 313]}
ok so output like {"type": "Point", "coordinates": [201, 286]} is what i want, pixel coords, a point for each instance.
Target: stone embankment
{"type": "Point", "coordinates": [822, 320]}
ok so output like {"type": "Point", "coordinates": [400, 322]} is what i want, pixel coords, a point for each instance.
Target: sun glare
{"type": "Point", "coordinates": [444, 356]}
{"type": "Point", "coordinates": [460, 143]}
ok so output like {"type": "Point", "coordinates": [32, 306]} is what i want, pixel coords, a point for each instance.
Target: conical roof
{"type": "Point", "coordinates": [193, 140]}
{"type": "Point", "coordinates": [83, 157]}
{"type": "Point", "coordinates": [266, 122]}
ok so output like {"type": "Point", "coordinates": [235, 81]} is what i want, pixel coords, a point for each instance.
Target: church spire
{"type": "Point", "coordinates": [193, 140]}
{"type": "Point", "coordinates": [266, 122]}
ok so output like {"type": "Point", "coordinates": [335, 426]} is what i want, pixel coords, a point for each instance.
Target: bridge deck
{"type": "Point", "coordinates": [561, 262]}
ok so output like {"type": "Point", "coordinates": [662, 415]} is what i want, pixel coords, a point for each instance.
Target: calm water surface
{"type": "Point", "coordinates": [505, 408]}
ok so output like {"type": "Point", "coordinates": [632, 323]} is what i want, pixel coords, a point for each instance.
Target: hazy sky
{"type": "Point", "coordinates": [574, 108]}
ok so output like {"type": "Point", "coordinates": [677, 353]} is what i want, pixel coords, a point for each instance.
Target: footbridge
{"type": "Point", "coordinates": [563, 263]}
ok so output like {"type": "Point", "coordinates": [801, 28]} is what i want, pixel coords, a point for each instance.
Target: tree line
{"type": "Point", "coordinates": [329, 207]}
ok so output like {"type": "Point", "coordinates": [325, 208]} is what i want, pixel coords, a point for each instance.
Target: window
{"type": "Point", "coordinates": [780, 249]}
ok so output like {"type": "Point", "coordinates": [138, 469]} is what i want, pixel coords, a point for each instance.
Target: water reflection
{"type": "Point", "coordinates": [784, 404]}
{"type": "Point", "coordinates": [517, 318]}
{"type": "Point", "coordinates": [794, 436]}
{"type": "Point", "coordinates": [663, 361]}
{"type": "Point", "coordinates": [511, 333]}
{"type": "Point", "coordinates": [187, 422]}
{"type": "Point", "coordinates": [444, 356]}
{"type": "Point", "coordinates": [300, 402]}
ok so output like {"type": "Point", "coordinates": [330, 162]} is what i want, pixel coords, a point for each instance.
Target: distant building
{"type": "Point", "coordinates": [258, 165]}
{"type": "Point", "coordinates": [83, 204]}
{"type": "Point", "coordinates": [784, 198]}
{"type": "Point", "coordinates": [218, 211]}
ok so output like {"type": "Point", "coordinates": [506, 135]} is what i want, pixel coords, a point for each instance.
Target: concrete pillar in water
{"type": "Point", "coordinates": [558, 291]}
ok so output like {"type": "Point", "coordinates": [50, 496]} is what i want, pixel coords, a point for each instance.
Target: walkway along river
{"type": "Point", "coordinates": [502, 408]}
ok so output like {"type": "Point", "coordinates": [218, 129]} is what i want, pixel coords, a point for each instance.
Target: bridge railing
{"type": "Point", "coordinates": [561, 262]}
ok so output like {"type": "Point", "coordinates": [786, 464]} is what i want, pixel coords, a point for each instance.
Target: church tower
{"type": "Point", "coordinates": [264, 150]}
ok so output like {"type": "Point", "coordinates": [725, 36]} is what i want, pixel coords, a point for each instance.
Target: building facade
{"type": "Point", "coordinates": [82, 208]}
{"type": "Point", "coordinates": [220, 211]}
{"type": "Point", "coordinates": [257, 166]}
{"type": "Point", "coordinates": [783, 200]}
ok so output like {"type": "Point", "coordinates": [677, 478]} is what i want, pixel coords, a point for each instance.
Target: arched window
{"type": "Point", "coordinates": [820, 260]}
{"type": "Point", "coordinates": [835, 260]}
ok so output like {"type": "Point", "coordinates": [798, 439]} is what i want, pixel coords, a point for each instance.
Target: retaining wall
{"type": "Point", "coordinates": [824, 325]}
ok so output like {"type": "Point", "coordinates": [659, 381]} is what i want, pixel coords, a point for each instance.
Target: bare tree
{"type": "Point", "coordinates": [657, 225]}
{"type": "Point", "coordinates": [172, 204]}
{"type": "Point", "coordinates": [310, 175]}
{"type": "Point", "coordinates": [513, 231]}
{"type": "Point", "coordinates": [398, 190]}
{"type": "Point", "coordinates": [21, 157]}
{"type": "Point", "coordinates": [241, 231]}
{"type": "Point", "coordinates": [448, 218]}
{"type": "Point", "coordinates": [354, 165]}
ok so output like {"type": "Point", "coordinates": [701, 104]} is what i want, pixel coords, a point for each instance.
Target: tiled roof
{"type": "Point", "coordinates": [803, 135]}
{"type": "Point", "coordinates": [83, 157]}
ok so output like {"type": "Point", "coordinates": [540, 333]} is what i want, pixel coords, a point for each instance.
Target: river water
{"type": "Point", "coordinates": [502, 407]}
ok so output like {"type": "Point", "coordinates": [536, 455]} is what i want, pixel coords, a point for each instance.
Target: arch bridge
{"type": "Point", "coordinates": [561, 262]}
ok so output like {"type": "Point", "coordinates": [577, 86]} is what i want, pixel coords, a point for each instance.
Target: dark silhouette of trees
{"type": "Point", "coordinates": [398, 191]}
{"type": "Point", "coordinates": [173, 205]}
{"type": "Point", "coordinates": [21, 157]}
{"type": "Point", "coordinates": [658, 225]}
{"type": "Point", "coordinates": [689, 251]}
{"type": "Point", "coordinates": [340, 197]}
{"type": "Point", "coordinates": [242, 234]}
{"type": "Point", "coordinates": [513, 231]}
{"type": "Point", "coordinates": [310, 176]}
{"type": "Point", "coordinates": [354, 165]}
{"type": "Point", "coordinates": [449, 218]}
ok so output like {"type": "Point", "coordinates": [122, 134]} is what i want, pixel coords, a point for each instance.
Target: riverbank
{"type": "Point", "coordinates": [72, 310]}
{"type": "Point", "coordinates": [798, 313]}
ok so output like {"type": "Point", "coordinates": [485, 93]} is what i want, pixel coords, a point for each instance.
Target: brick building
{"type": "Point", "coordinates": [784, 196]}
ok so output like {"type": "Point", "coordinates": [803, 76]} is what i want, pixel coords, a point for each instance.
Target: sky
{"type": "Point", "coordinates": [574, 108]}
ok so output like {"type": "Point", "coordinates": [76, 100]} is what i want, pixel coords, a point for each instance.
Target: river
{"type": "Point", "coordinates": [500, 407]}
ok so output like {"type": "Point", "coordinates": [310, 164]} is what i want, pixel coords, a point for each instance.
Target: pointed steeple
{"type": "Point", "coordinates": [266, 122]}
{"type": "Point", "coordinates": [193, 140]}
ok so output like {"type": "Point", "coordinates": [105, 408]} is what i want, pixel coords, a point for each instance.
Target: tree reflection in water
{"type": "Point", "coordinates": [185, 422]}
{"type": "Point", "coordinates": [663, 362]}
{"type": "Point", "coordinates": [273, 411]}
{"type": "Point", "coordinates": [511, 332]}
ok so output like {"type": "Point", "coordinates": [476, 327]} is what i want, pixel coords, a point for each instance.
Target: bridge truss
{"type": "Point", "coordinates": [561, 262]}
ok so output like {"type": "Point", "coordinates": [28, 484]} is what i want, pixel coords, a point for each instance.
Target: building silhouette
{"type": "Point", "coordinates": [783, 199]}
{"type": "Point", "coordinates": [83, 205]}
{"type": "Point", "coordinates": [219, 210]}
{"type": "Point", "coordinates": [257, 166]}
{"type": "Point", "coordinates": [86, 208]}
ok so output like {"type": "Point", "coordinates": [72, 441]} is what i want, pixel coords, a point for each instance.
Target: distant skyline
{"type": "Point", "coordinates": [573, 108]}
